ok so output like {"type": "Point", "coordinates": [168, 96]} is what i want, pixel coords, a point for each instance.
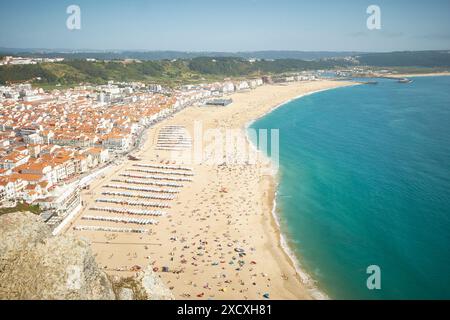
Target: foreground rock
{"type": "Point", "coordinates": [145, 286]}
{"type": "Point", "coordinates": [153, 286]}
{"type": "Point", "coordinates": [36, 265]}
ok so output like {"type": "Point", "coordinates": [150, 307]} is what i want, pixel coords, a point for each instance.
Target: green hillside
{"type": "Point", "coordinates": [169, 72]}
{"type": "Point", "coordinates": [182, 71]}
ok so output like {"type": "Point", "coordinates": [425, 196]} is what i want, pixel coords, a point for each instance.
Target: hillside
{"type": "Point", "coordinates": [164, 71]}
{"type": "Point", "coordinates": [170, 55]}
{"type": "Point", "coordinates": [192, 70]}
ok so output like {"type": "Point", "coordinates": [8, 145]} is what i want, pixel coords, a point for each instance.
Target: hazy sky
{"type": "Point", "coordinates": [227, 25]}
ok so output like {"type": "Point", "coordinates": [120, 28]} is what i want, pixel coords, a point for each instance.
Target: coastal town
{"type": "Point", "coordinates": [54, 143]}
{"type": "Point", "coordinates": [121, 165]}
{"type": "Point", "coordinates": [235, 157]}
{"type": "Point", "coordinates": [162, 179]}
{"type": "Point", "coordinates": [96, 162]}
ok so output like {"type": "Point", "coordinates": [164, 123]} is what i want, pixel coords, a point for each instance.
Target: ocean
{"type": "Point", "coordinates": [364, 180]}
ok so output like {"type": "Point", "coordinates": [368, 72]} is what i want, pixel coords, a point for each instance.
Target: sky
{"type": "Point", "coordinates": [226, 25]}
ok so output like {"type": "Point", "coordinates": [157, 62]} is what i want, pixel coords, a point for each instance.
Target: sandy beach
{"type": "Point", "coordinates": [216, 237]}
{"type": "Point", "coordinates": [413, 75]}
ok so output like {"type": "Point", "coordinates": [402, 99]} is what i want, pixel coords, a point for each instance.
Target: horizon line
{"type": "Point", "coordinates": [59, 50]}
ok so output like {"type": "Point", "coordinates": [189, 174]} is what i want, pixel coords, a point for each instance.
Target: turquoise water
{"type": "Point", "coordinates": [365, 180]}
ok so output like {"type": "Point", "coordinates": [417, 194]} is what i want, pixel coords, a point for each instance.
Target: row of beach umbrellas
{"type": "Point", "coordinates": [108, 229]}
{"type": "Point", "coordinates": [156, 177]}
{"type": "Point", "coordinates": [139, 195]}
{"type": "Point", "coordinates": [174, 138]}
{"type": "Point", "coordinates": [170, 149]}
{"type": "Point", "coordinates": [144, 189]}
{"type": "Point", "coordinates": [175, 173]}
{"type": "Point", "coordinates": [121, 220]}
{"type": "Point", "coordinates": [134, 202]}
{"type": "Point", "coordinates": [140, 212]}
{"type": "Point", "coordinates": [151, 183]}
{"type": "Point", "coordinates": [157, 166]}
{"type": "Point", "coordinates": [146, 182]}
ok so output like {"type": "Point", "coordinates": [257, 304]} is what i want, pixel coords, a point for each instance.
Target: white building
{"type": "Point", "coordinates": [117, 142]}
{"type": "Point", "coordinates": [99, 154]}
{"type": "Point", "coordinates": [33, 139]}
{"type": "Point", "coordinates": [243, 85]}
{"type": "Point", "coordinates": [228, 87]}
{"type": "Point", "coordinates": [9, 190]}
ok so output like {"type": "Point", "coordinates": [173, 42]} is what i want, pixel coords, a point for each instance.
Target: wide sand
{"type": "Point", "coordinates": [219, 239]}
{"type": "Point", "coordinates": [412, 75]}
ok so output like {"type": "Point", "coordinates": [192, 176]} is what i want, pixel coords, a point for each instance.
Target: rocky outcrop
{"type": "Point", "coordinates": [154, 287]}
{"type": "Point", "coordinates": [36, 265]}
{"type": "Point", "coordinates": [145, 286]}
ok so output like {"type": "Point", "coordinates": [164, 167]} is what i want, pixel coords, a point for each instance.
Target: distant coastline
{"type": "Point", "coordinates": [412, 75]}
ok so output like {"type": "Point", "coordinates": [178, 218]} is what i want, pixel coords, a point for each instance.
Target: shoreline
{"type": "Point", "coordinates": [303, 275]}
{"type": "Point", "coordinates": [416, 75]}
{"type": "Point", "coordinates": [250, 122]}
{"type": "Point", "coordinates": [242, 216]}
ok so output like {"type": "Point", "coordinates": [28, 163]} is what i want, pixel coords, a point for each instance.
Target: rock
{"type": "Point", "coordinates": [154, 287]}
{"type": "Point", "coordinates": [125, 294]}
{"type": "Point", "coordinates": [19, 231]}
{"type": "Point", "coordinates": [36, 265]}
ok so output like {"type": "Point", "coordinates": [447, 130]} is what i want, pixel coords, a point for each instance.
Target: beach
{"type": "Point", "coordinates": [216, 236]}
{"type": "Point", "coordinates": [413, 75]}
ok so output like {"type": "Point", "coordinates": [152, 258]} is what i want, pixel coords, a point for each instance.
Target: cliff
{"type": "Point", "coordinates": [36, 265]}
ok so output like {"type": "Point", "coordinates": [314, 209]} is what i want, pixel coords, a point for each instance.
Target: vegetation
{"type": "Point", "coordinates": [167, 72]}
{"type": "Point", "coordinates": [21, 207]}
{"type": "Point", "coordinates": [239, 67]}
{"type": "Point", "coordinates": [21, 73]}
{"type": "Point", "coordinates": [170, 55]}
{"type": "Point", "coordinates": [128, 283]}
{"type": "Point", "coordinates": [196, 69]}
